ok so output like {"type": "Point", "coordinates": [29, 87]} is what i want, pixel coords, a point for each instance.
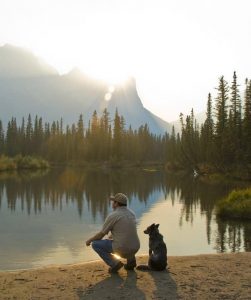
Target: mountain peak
{"type": "Point", "coordinates": [75, 72]}
{"type": "Point", "coordinates": [66, 96]}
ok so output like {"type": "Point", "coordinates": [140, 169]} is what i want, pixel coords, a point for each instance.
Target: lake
{"type": "Point", "coordinates": [46, 216]}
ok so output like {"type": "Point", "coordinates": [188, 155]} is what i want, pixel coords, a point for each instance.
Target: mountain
{"type": "Point", "coordinates": [29, 85]}
{"type": "Point", "coordinates": [17, 62]}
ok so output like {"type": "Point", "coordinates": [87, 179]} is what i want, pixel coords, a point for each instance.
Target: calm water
{"type": "Point", "coordinates": [45, 217]}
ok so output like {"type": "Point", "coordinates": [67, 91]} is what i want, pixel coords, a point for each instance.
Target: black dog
{"type": "Point", "coordinates": [157, 250]}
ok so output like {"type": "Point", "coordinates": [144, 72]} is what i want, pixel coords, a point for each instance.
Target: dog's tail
{"type": "Point", "coordinates": [143, 268]}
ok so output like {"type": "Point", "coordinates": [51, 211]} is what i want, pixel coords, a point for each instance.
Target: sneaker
{"type": "Point", "coordinates": [115, 269]}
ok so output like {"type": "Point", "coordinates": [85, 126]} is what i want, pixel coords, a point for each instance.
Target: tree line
{"type": "Point", "coordinates": [104, 139]}
{"type": "Point", "coordinates": [222, 141]}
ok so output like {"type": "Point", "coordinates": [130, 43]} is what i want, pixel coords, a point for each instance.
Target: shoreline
{"type": "Point", "coordinates": [204, 276]}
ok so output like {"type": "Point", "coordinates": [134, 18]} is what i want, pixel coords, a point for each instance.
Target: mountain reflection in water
{"type": "Point", "coordinates": [35, 206]}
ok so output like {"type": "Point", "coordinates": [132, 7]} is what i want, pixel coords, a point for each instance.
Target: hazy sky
{"type": "Point", "coordinates": [176, 49]}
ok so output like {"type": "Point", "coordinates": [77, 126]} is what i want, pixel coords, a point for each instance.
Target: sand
{"type": "Point", "coordinates": [214, 276]}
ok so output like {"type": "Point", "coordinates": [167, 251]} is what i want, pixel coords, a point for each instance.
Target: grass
{"type": "Point", "coordinates": [22, 162]}
{"type": "Point", "coordinates": [236, 205]}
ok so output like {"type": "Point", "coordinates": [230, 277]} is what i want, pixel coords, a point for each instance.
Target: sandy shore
{"type": "Point", "coordinates": [216, 276]}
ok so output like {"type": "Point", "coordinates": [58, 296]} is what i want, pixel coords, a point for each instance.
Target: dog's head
{"type": "Point", "coordinates": [152, 229]}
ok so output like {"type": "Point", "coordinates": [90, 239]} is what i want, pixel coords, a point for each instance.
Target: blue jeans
{"type": "Point", "coordinates": [104, 250]}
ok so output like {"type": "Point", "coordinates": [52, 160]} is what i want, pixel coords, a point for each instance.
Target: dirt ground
{"type": "Point", "coordinates": [214, 276]}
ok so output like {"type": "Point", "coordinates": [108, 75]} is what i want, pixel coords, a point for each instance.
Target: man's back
{"type": "Point", "coordinates": [122, 224]}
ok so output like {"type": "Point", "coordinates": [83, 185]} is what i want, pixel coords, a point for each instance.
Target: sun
{"type": "Point", "coordinates": [110, 72]}
{"type": "Point", "coordinates": [106, 51]}
{"type": "Point", "coordinates": [106, 62]}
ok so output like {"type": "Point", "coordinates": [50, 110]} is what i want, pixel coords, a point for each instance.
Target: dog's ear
{"type": "Point", "coordinates": [157, 225]}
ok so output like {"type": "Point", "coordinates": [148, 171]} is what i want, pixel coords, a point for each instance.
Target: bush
{"type": "Point", "coordinates": [22, 162]}
{"type": "Point", "coordinates": [236, 205]}
{"type": "Point", "coordinates": [29, 162]}
{"type": "Point", "coordinates": [7, 163]}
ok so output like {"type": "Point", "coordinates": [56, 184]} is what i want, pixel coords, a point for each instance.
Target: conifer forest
{"type": "Point", "coordinates": [222, 141]}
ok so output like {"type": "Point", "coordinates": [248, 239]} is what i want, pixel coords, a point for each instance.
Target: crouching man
{"type": "Point", "coordinates": [125, 241]}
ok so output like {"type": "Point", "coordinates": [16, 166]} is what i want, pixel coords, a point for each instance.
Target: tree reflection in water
{"type": "Point", "coordinates": [234, 234]}
{"type": "Point", "coordinates": [34, 190]}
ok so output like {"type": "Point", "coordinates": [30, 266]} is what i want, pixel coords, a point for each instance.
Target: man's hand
{"type": "Point", "coordinates": [97, 236]}
{"type": "Point", "coordinates": [88, 243]}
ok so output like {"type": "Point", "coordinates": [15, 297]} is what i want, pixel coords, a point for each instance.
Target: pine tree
{"type": "Point", "coordinates": [53, 129]}
{"type": "Point", "coordinates": [1, 138]}
{"type": "Point", "coordinates": [117, 137]}
{"type": "Point", "coordinates": [28, 136]}
{"type": "Point", "coordinates": [105, 135]}
{"type": "Point", "coordinates": [68, 143]}
{"type": "Point", "coordinates": [207, 132]}
{"type": "Point", "coordinates": [247, 123]}
{"type": "Point", "coordinates": [235, 120]}
{"type": "Point", "coordinates": [12, 147]}
{"type": "Point", "coordinates": [80, 148]}
{"type": "Point", "coordinates": [93, 138]}
{"type": "Point", "coordinates": [171, 146]}
{"type": "Point", "coordinates": [130, 145]}
{"type": "Point", "coordinates": [22, 137]}
{"type": "Point", "coordinates": [189, 141]}
{"type": "Point", "coordinates": [221, 112]}
{"type": "Point", "coordinates": [36, 137]}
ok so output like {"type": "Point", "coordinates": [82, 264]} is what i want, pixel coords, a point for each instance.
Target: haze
{"type": "Point", "coordinates": [176, 50]}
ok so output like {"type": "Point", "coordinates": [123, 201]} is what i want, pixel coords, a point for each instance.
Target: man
{"type": "Point", "coordinates": [125, 242]}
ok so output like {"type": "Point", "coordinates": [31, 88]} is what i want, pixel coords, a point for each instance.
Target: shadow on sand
{"type": "Point", "coordinates": [166, 287]}
{"type": "Point", "coordinates": [133, 285]}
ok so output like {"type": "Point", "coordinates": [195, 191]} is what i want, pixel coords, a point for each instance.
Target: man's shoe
{"type": "Point", "coordinates": [129, 267]}
{"type": "Point", "coordinates": [115, 269]}
{"type": "Point", "coordinates": [131, 264]}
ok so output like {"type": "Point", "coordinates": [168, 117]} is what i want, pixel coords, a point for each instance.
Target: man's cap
{"type": "Point", "coordinates": [120, 198]}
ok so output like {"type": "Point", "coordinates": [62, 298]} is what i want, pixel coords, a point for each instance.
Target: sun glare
{"type": "Point", "coordinates": [106, 67]}
{"type": "Point", "coordinates": [111, 76]}
{"type": "Point", "coordinates": [102, 47]}
{"type": "Point", "coordinates": [106, 50]}
{"type": "Point", "coordinates": [116, 256]}
{"type": "Point", "coordinates": [108, 95]}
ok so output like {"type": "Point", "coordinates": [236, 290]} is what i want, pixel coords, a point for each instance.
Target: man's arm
{"type": "Point", "coordinates": [97, 236]}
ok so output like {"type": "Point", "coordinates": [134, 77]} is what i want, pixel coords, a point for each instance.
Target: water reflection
{"type": "Point", "coordinates": [32, 189]}
{"type": "Point", "coordinates": [45, 216]}
{"type": "Point", "coordinates": [232, 234]}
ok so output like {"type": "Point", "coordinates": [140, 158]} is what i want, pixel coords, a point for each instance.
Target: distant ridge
{"type": "Point", "coordinates": [18, 62]}
{"type": "Point", "coordinates": [29, 85]}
